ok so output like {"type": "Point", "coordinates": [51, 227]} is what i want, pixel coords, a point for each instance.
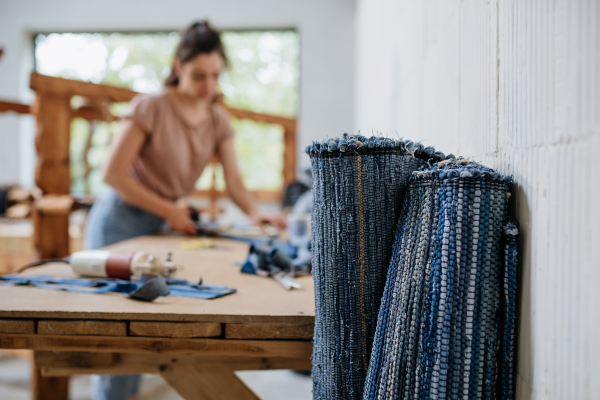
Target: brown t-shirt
{"type": "Point", "coordinates": [175, 153]}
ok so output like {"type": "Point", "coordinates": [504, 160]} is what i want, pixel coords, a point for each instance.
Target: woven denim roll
{"type": "Point", "coordinates": [507, 353]}
{"type": "Point", "coordinates": [358, 188]}
{"type": "Point", "coordinates": [450, 292]}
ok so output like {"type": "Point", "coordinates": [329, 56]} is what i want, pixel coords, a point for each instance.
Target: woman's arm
{"type": "Point", "coordinates": [124, 149]}
{"type": "Point", "coordinates": [238, 192]}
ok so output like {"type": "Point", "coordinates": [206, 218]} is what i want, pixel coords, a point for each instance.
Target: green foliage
{"type": "Point", "coordinates": [263, 73]}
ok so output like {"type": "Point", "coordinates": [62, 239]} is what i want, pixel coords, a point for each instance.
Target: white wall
{"type": "Point", "coordinates": [515, 85]}
{"type": "Point", "coordinates": [327, 55]}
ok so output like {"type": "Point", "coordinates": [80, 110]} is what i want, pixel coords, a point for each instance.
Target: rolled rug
{"type": "Point", "coordinates": [449, 299]}
{"type": "Point", "coordinates": [358, 189]}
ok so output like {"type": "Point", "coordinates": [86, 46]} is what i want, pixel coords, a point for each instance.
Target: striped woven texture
{"type": "Point", "coordinates": [450, 293]}
{"type": "Point", "coordinates": [358, 187]}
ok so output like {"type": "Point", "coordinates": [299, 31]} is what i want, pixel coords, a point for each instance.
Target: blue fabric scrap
{"type": "Point", "coordinates": [148, 288]}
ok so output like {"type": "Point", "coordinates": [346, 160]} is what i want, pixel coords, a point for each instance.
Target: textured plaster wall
{"type": "Point", "coordinates": [516, 86]}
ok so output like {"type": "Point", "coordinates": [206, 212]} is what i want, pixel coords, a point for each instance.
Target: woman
{"type": "Point", "coordinates": [163, 145]}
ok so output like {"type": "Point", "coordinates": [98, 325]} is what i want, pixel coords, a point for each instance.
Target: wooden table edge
{"type": "Point", "coordinates": [287, 319]}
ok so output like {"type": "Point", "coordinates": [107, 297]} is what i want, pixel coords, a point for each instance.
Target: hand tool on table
{"type": "Point", "coordinates": [268, 259]}
{"type": "Point", "coordinates": [139, 275]}
{"type": "Point", "coordinates": [268, 256]}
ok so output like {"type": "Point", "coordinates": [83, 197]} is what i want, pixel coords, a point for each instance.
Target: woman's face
{"type": "Point", "coordinates": [199, 76]}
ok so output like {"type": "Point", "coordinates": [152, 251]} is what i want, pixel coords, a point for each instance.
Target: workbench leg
{"type": "Point", "coordinates": [218, 383]}
{"type": "Point", "coordinates": [48, 388]}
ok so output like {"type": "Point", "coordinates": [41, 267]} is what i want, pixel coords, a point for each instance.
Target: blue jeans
{"type": "Point", "coordinates": [111, 220]}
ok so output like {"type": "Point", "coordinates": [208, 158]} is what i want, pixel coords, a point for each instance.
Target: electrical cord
{"type": "Point", "coordinates": [38, 263]}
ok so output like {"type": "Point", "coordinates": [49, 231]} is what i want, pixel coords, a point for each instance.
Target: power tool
{"type": "Point", "coordinates": [108, 264]}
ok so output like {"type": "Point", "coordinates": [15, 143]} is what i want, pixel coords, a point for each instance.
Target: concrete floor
{"type": "Point", "coordinates": [268, 385]}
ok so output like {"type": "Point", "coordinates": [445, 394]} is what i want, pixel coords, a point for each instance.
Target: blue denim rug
{"type": "Point", "coordinates": [358, 187]}
{"type": "Point", "coordinates": [450, 294]}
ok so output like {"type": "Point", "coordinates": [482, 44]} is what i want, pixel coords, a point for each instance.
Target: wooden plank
{"type": "Point", "coordinates": [16, 107]}
{"type": "Point", "coordinates": [68, 87]}
{"type": "Point", "coordinates": [221, 347]}
{"type": "Point", "coordinates": [66, 363]}
{"type": "Point", "coordinates": [269, 331]}
{"type": "Point", "coordinates": [51, 222]}
{"type": "Point", "coordinates": [289, 154]}
{"type": "Point", "coordinates": [174, 329]}
{"type": "Point", "coordinates": [45, 388]}
{"type": "Point", "coordinates": [17, 326]}
{"type": "Point", "coordinates": [53, 113]}
{"type": "Point", "coordinates": [77, 360]}
{"type": "Point", "coordinates": [92, 328]}
{"type": "Point", "coordinates": [50, 234]}
{"type": "Point", "coordinates": [214, 384]}
{"type": "Point", "coordinates": [257, 300]}
{"type": "Point", "coordinates": [270, 119]}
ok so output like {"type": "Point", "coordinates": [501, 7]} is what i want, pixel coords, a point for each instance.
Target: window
{"type": "Point", "coordinates": [262, 77]}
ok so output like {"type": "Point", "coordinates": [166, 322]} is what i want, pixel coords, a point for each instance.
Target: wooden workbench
{"type": "Point", "coordinates": [195, 344]}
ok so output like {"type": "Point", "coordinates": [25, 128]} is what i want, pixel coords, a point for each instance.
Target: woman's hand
{"type": "Point", "coordinates": [240, 194]}
{"type": "Point", "coordinates": [180, 220]}
{"type": "Point", "coordinates": [274, 219]}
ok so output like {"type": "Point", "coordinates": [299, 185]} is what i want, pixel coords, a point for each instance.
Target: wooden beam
{"type": "Point", "coordinates": [213, 384]}
{"type": "Point", "coordinates": [91, 328]}
{"type": "Point", "coordinates": [87, 362]}
{"type": "Point", "coordinates": [44, 388]}
{"type": "Point", "coordinates": [174, 329]}
{"type": "Point", "coordinates": [221, 347]}
{"type": "Point", "coordinates": [68, 88]}
{"type": "Point", "coordinates": [270, 119]}
{"type": "Point", "coordinates": [269, 331]}
{"type": "Point", "coordinates": [52, 142]}
{"type": "Point", "coordinates": [129, 314]}
{"type": "Point", "coordinates": [64, 363]}
{"type": "Point", "coordinates": [289, 155]}
{"type": "Point", "coordinates": [17, 326]}
{"type": "Point", "coordinates": [50, 234]}
{"type": "Point", "coordinates": [15, 107]}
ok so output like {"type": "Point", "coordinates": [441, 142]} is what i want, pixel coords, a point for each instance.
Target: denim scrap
{"type": "Point", "coordinates": [358, 188]}
{"type": "Point", "coordinates": [450, 294]}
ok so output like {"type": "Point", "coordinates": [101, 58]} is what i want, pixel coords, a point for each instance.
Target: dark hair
{"type": "Point", "coordinates": [200, 38]}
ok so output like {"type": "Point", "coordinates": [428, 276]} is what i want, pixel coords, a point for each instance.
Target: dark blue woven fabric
{"type": "Point", "coordinates": [450, 293]}
{"type": "Point", "coordinates": [506, 380]}
{"type": "Point", "coordinates": [358, 188]}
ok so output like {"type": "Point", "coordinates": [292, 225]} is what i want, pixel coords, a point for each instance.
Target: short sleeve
{"type": "Point", "coordinates": [142, 112]}
{"type": "Point", "coordinates": [223, 127]}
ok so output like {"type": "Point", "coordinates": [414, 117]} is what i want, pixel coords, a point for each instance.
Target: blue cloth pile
{"type": "Point", "coordinates": [148, 288]}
